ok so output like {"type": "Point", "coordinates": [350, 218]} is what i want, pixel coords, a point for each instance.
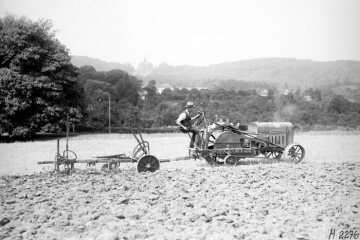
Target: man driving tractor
{"type": "Point", "coordinates": [185, 121]}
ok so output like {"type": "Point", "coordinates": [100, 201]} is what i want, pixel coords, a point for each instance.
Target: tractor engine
{"type": "Point", "coordinates": [279, 133]}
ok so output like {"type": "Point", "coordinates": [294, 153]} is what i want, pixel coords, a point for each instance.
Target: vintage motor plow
{"type": "Point", "coordinates": [269, 140]}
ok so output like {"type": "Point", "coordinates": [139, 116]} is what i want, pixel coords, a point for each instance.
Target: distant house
{"type": "Point", "coordinates": [286, 91]}
{"type": "Point", "coordinates": [263, 92]}
{"type": "Point", "coordinates": [143, 94]}
{"type": "Point", "coordinates": [307, 98]}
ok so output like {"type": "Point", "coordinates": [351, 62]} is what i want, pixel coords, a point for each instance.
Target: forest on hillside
{"type": "Point", "coordinates": [137, 106]}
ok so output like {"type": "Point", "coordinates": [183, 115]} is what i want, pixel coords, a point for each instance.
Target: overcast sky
{"type": "Point", "coordinates": [200, 32]}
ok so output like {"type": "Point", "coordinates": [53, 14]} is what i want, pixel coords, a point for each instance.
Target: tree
{"type": "Point", "coordinates": [126, 86]}
{"type": "Point", "coordinates": [339, 104]}
{"type": "Point", "coordinates": [132, 118]}
{"type": "Point", "coordinates": [194, 93]}
{"type": "Point", "coordinates": [151, 91]}
{"type": "Point", "coordinates": [166, 93]}
{"type": "Point", "coordinates": [38, 87]}
{"type": "Point", "coordinates": [87, 69]}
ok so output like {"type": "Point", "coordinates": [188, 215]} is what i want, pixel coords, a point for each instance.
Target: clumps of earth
{"type": "Point", "coordinates": [260, 201]}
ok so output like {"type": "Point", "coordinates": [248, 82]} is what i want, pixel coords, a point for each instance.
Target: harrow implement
{"type": "Point", "coordinates": [141, 155]}
{"type": "Point", "coordinates": [146, 162]}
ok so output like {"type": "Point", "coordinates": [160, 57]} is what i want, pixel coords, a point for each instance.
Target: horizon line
{"type": "Point", "coordinates": [206, 65]}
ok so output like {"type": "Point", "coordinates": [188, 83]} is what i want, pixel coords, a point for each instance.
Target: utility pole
{"type": "Point", "coordinates": [109, 114]}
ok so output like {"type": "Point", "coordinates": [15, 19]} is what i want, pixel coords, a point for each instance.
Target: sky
{"type": "Point", "coordinates": [200, 32]}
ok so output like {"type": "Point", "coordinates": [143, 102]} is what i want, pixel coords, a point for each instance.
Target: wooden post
{"type": "Point", "coordinates": [57, 155]}
{"type": "Point", "coordinates": [67, 136]}
{"type": "Point", "coordinates": [67, 141]}
{"type": "Point", "coordinates": [109, 114]}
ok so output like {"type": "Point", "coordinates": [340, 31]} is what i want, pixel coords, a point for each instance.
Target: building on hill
{"type": "Point", "coordinates": [307, 98]}
{"type": "Point", "coordinates": [287, 92]}
{"type": "Point", "coordinates": [144, 68]}
{"type": "Point", "coordinates": [142, 94]}
{"type": "Point", "coordinates": [263, 92]}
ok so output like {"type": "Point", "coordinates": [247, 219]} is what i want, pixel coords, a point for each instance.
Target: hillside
{"type": "Point", "coordinates": [100, 65]}
{"type": "Point", "coordinates": [273, 71]}
{"type": "Point", "coordinates": [294, 72]}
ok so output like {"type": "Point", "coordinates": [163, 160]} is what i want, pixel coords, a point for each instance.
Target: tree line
{"type": "Point", "coordinates": [147, 107]}
{"type": "Point", "coordinates": [41, 91]}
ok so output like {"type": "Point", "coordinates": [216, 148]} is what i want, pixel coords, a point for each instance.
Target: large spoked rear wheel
{"type": "Point", "coordinates": [273, 155]}
{"type": "Point", "coordinates": [148, 163]}
{"type": "Point", "coordinates": [295, 153]}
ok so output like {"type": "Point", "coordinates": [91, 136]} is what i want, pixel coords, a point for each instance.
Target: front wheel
{"type": "Point", "coordinates": [294, 153]}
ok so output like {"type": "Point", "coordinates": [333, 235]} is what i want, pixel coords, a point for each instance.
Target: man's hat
{"type": "Point", "coordinates": [189, 105]}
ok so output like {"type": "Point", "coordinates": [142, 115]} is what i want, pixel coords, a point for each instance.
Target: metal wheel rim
{"type": "Point", "coordinates": [273, 155]}
{"type": "Point", "coordinates": [230, 160]}
{"type": "Point", "coordinates": [296, 153]}
{"type": "Point", "coordinates": [70, 153]}
{"type": "Point", "coordinates": [148, 163]}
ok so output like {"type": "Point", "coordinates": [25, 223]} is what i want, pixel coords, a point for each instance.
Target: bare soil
{"type": "Point", "coordinates": [256, 201]}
